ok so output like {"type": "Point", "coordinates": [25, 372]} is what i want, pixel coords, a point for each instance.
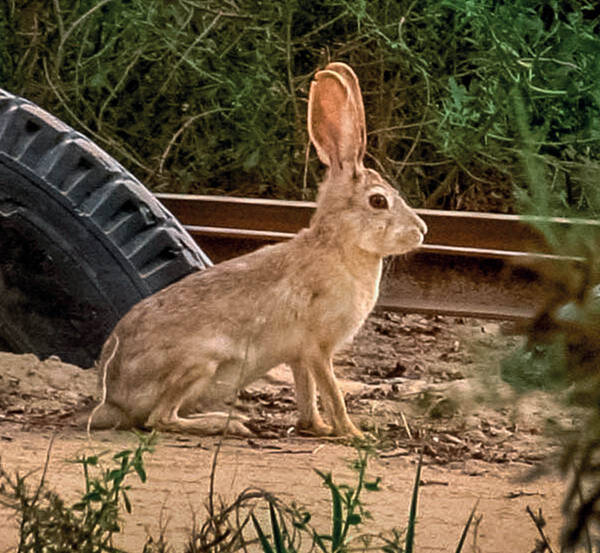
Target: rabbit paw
{"type": "Point", "coordinates": [349, 430]}
{"type": "Point", "coordinates": [314, 428]}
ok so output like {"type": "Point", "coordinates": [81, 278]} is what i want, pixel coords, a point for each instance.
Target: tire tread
{"type": "Point", "coordinates": [111, 238]}
{"type": "Point", "coordinates": [98, 188]}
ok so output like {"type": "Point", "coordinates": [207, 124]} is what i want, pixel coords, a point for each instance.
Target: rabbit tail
{"type": "Point", "coordinates": [107, 415]}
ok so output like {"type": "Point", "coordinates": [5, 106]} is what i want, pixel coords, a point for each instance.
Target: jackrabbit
{"type": "Point", "coordinates": [177, 359]}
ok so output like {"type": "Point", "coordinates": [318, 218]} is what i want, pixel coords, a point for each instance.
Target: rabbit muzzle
{"type": "Point", "coordinates": [409, 237]}
{"type": "Point", "coordinates": [421, 229]}
{"type": "Point", "coordinates": [409, 232]}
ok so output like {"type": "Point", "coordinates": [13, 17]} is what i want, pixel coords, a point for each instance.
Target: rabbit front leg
{"type": "Point", "coordinates": [322, 371]}
{"type": "Point", "coordinates": [309, 419]}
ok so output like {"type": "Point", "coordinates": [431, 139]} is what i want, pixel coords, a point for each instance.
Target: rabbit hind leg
{"type": "Point", "coordinates": [201, 424]}
{"type": "Point", "coordinates": [189, 391]}
{"type": "Point", "coordinates": [207, 424]}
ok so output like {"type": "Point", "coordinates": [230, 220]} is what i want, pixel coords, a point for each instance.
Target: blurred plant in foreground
{"type": "Point", "coordinates": [563, 339]}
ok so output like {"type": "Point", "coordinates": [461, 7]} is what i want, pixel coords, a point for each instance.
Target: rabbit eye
{"type": "Point", "coordinates": [378, 201]}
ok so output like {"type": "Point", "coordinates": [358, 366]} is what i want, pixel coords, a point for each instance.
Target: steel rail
{"type": "Point", "coordinates": [472, 264]}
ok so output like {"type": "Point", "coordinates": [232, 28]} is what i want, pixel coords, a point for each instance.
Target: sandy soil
{"type": "Point", "coordinates": [414, 384]}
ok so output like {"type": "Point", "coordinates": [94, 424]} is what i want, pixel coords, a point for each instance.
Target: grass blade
{"type": "Point", "coordinates": [412, 518]}
{"type": "Point", "coordinates": [465, 531]}
{"type": "Point", "coordinates": [277, 535]}
{"type": "Point", "coordinates": [261, 536]}
{"type": "Point", "coordinates": [319, 541]}
{"type": "Point", "coordinates": [336, 517]}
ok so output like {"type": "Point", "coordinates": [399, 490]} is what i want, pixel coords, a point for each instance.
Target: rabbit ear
{"type": "Point", "coordinates": [352, 80]}
{"type": "Point", "coordinates": [336, 121]}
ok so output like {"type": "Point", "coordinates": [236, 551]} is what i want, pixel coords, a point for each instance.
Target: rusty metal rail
{"type": "Point", "coordinates": [472, 264]}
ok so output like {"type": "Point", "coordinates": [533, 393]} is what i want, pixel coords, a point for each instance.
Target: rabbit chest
{"type": "Point", "coordinates": [358, 297]}
{"type": "Point", "coordinates": [337, 309]}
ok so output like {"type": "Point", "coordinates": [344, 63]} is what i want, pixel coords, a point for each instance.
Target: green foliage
{"type": "Point", "coordinates": [347, 512]}
{"type": "Point", "coordinates": [563, 354]}
{"type": "Point", "coordinates": [48, 524]}
{"type": "Point", "coordinates": [206, 96]}
{"type": "Point", "coordinates": [548, 54]}
{"type": "Point", "coordinates": [347, 509]}
{"type": "Point", "coordinates": [563, 348]}
{"type": "Point", "coordinates": [536, 367]}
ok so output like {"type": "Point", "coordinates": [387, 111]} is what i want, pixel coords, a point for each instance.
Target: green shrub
{"type": "Point", "coordinates": [562, 352]}
{"type": "Point", "coordinates": [206, 96]}
{"type": "Point", "coordinates": [47, 523]}
{"type": "Point", "coordinates": [547, 53]}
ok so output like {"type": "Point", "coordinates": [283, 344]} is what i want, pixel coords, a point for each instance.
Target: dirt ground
{"type": "Point", "coordinates": [413, 383]}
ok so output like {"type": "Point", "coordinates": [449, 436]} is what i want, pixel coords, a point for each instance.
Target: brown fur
{"type": "Point", "coordinates": [177, 359]}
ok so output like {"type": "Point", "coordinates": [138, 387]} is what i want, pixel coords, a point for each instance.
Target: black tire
{"type": "Point", "coordinates": [81, 239]}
